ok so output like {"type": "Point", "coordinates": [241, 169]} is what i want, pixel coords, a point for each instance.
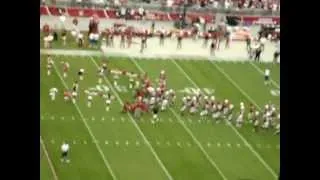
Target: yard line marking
{"type": "Point", "coordinates": [178, 143]}
{"type": "Point", "coordinates": [87, 126]}
{"type": "Point", "coordinates": [49, 160]}
{"type": "Point", "coordinates": [127, 142]}
{"type": "Point", "coordinates": [259, 145]}
{"type": "Point", "coordinates": [136, 125]}
{"type": "Point", "coordinates": [189, 132]}
{"type": "Point", "coordinates": [228, 144]}
{"type": "Point", "coordinates": [208, 144]}
{"type": "Point", "coordinates": [261, 72]}
{"type": "Point", "coordinates": [232, 127]}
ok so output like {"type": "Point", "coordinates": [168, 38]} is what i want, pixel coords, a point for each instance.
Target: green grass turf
{"type": "Point", "coordinates": [45, 171]}
{"type": "Point", "coordinates": [135, 160]}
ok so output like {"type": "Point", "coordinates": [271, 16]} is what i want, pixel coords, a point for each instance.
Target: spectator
{"type": "Point", "coordinates": [227, 4]}
{"type": "Point", "coordinates": [215, 4]}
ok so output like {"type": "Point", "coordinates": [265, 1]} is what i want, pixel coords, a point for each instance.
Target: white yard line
{"type": "Point", "coordinates": [136, 126]}
{"type": "Point", "coordinates": [236, 131]}
{"type": "Point", "coordinates": [189, 132]}
{"type": "Point", "coordinates": [55, 176]}
{"type": "Point", "coordinates": [88, 128]}
{"type": "Point", "coordinates": [259, 70]}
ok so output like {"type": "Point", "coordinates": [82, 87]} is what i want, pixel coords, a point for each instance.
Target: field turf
{"type": "Point", "coordinates": [113, 145]}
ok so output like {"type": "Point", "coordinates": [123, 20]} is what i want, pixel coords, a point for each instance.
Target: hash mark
{"type": "Point", "coordinates": [62, 118]}
{"type": "Point", "coordinates": [127, 143]}
{"type": "Point", "coordinates": [117, 143]}
{"type": "Point", "coordinates": [218, 144]}
{"type": "Point", "coordinates": [209, 144]}
{"type": "Point", "coordinates": [106, 142]}
{"type": "Point", "coordinates": [102, 119]}
{"type": "Point", "coordinates": [228, 144]}
{"type": "Point", "coordinates": [92, 118]}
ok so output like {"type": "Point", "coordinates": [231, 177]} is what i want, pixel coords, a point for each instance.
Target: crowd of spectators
{"type": "Point", "coordinates": [268, 5]}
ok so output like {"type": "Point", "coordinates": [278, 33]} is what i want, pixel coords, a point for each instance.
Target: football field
{"type": "Point", "coordinates": [114, 145]}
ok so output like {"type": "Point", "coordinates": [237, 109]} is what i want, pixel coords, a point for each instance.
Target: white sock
{"type": "Point", "coordinates": [53, 98]}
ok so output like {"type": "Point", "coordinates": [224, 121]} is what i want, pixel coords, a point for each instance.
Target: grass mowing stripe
{"type": "Point", "coordinates": [136, 125]}
{"type": "Point", "coordinates": [49, 160]}
{"type": "Point", "coordinates": [188, 131]}
{"type": "Point", "coordinates": [236, 131]}
{"type": "Point", "coordinates": [88, 128]}
{"type": "Point", "coordinates": [259, 70]}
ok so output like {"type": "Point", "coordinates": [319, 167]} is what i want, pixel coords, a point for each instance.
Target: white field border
{"type": "Point", "coordinates": [54, 173]}
{"type": "Point", "coordinates": [151, 56]}
{"type": "Point", "coordinates": [136, 126]}
{"type": "Point", "coordinates": [88, 128]}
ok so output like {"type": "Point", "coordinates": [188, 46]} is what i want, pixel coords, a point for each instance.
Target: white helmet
{"type": "Point", "coordinates": [194, 98]}
{"type": "Point", "coordinates": [212, 98]}
{"type": "Point", "coordinates": [266, 106]}
{"type": "Point", "coordinates": [257, 113]}
{"type": "Point", "coordinates": [206, 97]}
{"type": "Point", "coordinates": [162, 72]}
{"type": "Point", "coordinates": [81, 70]}
{"type": "Point", "coordinates": [226, 101]}
{"type": "Point", "coordinates": [231, 106]}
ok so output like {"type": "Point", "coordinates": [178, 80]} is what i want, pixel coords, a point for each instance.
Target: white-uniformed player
{"type": "Point", "coordinates": [52, 93]}
{"type": "Point", "coordinates": [164, 104]}
{"type": "Point", "coordinates": [256, 120]}
{"type": "Point", "coordinates": [66, 67]}
{"type": "Point", "coordinates": [80, 74]}
{"type": "Point", "coordinates": [239, 120]}
{"type": "Point", "coordinates": [74, 96]}
{"type": "Point", "coordinates": [89, 101]}
{"type": "Point", "coordinates": [100, 75]}
{"type": "Point", "coordinates": [131, 83]}
{"type": "Point", "coordinates": [276, 53]}
{"type": "Point", "coordinates": [278, 125]}
{"type": "Point", "coordinates": [267, 76]}
{"type": "Point", "coordinates": [108, 98]}
{"type": "Point", "coordinates": [64, 152]}
{"type": "Point", "coordinates": [49, 65]}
